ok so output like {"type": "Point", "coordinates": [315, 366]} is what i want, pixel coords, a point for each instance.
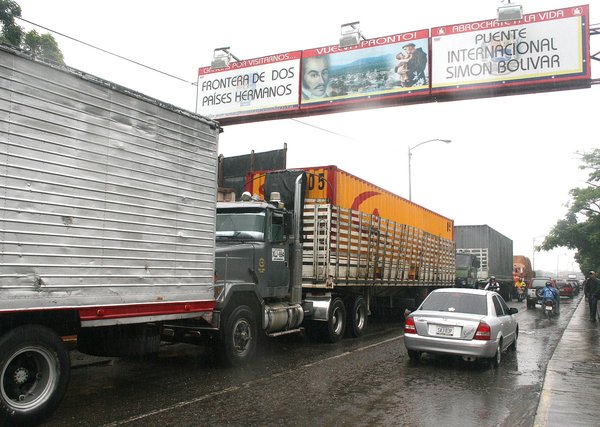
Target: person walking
{"type": "Point", "coordinates": [591, 288]}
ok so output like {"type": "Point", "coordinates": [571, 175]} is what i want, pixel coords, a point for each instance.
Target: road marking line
{"type": "Point", "coordinates": [246, 385]}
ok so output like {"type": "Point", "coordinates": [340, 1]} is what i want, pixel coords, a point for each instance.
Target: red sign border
{"type": "Point", "coordinates": [534, 82]}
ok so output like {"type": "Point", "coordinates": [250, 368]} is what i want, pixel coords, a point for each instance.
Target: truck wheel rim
{"type": "Point", "coordinates": [29, 378]}
{"type": "Point", "coordinates": [242, 336]}
{"type": "Point", "coordinates": [360, 317]}
{"type": "Point", "coordinates": [338, 322]}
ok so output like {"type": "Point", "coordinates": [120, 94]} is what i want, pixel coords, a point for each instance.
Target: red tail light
{"type": "Point", "coordinates": [483, 332]}
{"type": "Point", "coordinates": [409, 326]}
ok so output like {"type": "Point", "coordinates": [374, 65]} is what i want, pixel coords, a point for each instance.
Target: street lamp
{"type": "Point", "coordinates": [447, 141]}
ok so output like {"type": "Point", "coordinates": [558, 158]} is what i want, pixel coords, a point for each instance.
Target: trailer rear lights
{"type": "Point", "coordinates": [483, 332]}
{"type": "Point", "coordinates": [409, 326]}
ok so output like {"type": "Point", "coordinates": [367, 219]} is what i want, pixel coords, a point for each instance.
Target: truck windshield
{"type": "Point", "coordinates": [245, 225]}
{"type": "Point", "coordinates": [463, 261]}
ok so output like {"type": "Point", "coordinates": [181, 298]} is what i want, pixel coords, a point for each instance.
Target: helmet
{"type": "Point", "coordinates": [548, 283]}
{"type": "Point", "coordinates": [493, 277]}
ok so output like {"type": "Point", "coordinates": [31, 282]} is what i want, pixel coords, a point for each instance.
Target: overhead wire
{"type": "Point", "coordinates": [161, 72]}
{"type": "Point", "coordinates": [326, 130]}
{"type": "Point", "coordinates": [107, 52]}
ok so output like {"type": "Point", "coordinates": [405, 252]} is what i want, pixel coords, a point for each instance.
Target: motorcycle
{"type": "Point", "coordinates": [549, 308]}
{"type": "Point", "coordinates": [520, 294]}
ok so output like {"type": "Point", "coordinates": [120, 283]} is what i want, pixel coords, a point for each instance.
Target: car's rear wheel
{"type": "Point", "coordinates": [414, 355]}
{"type": "Point", "coordinates": [495, 361]}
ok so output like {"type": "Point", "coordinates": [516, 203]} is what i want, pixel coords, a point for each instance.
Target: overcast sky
{"type": "Point", "coordinates": [512, 160]}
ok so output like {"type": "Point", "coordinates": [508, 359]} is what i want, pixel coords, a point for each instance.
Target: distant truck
{"type": "Point", "coordinates": [467, 267]}
{"type": "Point", "coordinates": [107, 225]}
{"type": "Point", "coordinates": [324, 250]}
{"type": "Point", "coordinates": [522, 268]}
{"type": "Point", "coordinates": [494, 251]}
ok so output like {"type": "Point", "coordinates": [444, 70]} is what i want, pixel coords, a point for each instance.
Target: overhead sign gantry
{"type": "Point", "coordinates": [543, 51]}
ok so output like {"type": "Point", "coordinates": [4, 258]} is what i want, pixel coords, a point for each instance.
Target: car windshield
{"type": "Point", "coordinates": [538, 283]}
{"type": "Point", "coordinates": [456, 302]}
{"type": "Point", "coordinates": [239, 224]}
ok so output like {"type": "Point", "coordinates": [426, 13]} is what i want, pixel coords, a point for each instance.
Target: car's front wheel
{"type": "Point", "coordinates": [513, 346]}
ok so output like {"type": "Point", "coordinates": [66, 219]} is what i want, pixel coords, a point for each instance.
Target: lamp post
{"type": "Point", "coordinates": [447, 141]}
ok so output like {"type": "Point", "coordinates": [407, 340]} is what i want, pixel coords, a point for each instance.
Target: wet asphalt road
{"type": "Point", "coordinates": [366, 381]}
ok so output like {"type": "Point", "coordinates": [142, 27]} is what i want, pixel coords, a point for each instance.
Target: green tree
{"type": "Point", "coordinates": [11, 32]}
{"type": "Point", "coordinates": [43, 46]}
{"type": "Point", "coordinates": [580, 229]}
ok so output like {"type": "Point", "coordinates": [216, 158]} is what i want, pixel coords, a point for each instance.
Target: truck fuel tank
{"type": "Point", "coordinates": [282, 317]}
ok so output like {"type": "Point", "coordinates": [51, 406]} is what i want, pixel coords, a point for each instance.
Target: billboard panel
{"type": "Point", "coordinates": [249, 87]}
{"type": "Point", "coordinates": [544, 47]}
{"type": "Point", "coordinates": [376, 69]}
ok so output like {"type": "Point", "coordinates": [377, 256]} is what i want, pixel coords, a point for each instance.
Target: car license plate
{"type": "Point", "coordinates": [447, 331]}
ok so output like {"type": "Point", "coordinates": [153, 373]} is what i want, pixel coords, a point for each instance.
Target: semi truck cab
{"type": "Point", "coordinates": [253, 250]}
{"type": "Point", "coordinates": [258, 288]}
{"type": "Point", "coordinates": [467, 266]}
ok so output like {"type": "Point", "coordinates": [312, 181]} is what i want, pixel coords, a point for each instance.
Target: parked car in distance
{"type": "Point", "coordinates": [534, 290]}
{"type": "Point", "coordinates": [575, 284]}
{"type": "Point", "coordinates": [470, 323]}
{"type": "Point", "coordinates": [565, 288]}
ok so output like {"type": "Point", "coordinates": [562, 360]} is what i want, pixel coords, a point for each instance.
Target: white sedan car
{"type": "Point", "coordinates": [471, 323]}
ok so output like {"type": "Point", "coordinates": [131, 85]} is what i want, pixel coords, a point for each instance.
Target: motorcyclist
{"type": "Point", "coordinates": [551, 294]}
{"type": "Point", "coordinates": [520, 286]}
{"type": "Point", "coordinates": [492, 285]}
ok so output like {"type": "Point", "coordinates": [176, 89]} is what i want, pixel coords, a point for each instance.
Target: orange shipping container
{"type": "Point", "coordinates": [348, 191]}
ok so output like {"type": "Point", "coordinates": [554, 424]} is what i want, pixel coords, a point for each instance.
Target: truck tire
{"type": "Point", "coordinates": [34, 373]}
{"type": "Point", "coordinates": [336, 321]}
{"type": "Point", "coordinates": [357, 317]}
{"type": "Point", "coordinates": [239, 336]}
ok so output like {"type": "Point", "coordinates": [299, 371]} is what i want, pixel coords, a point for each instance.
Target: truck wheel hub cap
{"type": "Point", "coordinates": [21, 376]}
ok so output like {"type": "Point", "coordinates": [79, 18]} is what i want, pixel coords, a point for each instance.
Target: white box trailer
{"type": "Point", "coordinates": [107, 224]}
